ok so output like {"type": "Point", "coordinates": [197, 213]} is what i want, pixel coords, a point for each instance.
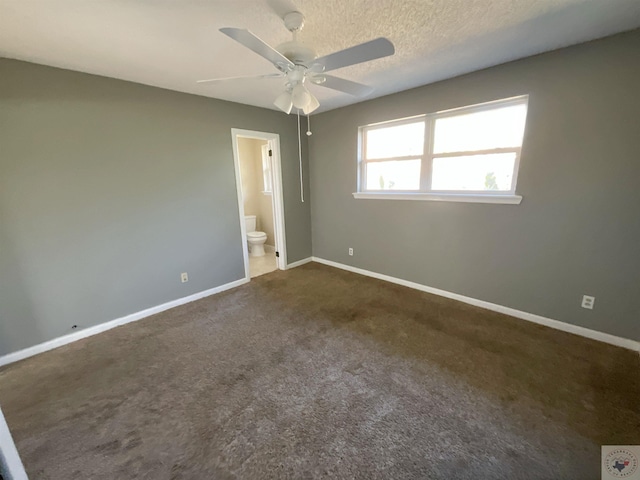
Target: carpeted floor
{"type": "Point", "coordinates": [316, 372]}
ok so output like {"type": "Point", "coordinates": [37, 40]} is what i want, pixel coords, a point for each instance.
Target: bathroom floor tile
{"type": "Point", "coordinates": [261, 265]}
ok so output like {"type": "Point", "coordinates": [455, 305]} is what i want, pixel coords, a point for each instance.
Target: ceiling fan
{"type": "Point", "coordinates": [298, 64]}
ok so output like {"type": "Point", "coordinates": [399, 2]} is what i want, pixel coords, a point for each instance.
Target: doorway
{"type": "Point", "coordinates": [260, 201]}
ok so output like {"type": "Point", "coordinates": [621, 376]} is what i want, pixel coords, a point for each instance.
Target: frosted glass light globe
{"type": "Point", "coordinates": [284, 102]}
{"type": "Point", "coordinates": [300, 96]}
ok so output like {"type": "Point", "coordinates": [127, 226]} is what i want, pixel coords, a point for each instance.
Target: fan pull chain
{"type": "Point", "coordinates": [308, 126]}
{"type": "Point", "coordinates": [300, 159]}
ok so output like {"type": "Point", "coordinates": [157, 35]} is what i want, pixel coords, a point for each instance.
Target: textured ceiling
{"type": "Point", "coordinates": [172, 43]}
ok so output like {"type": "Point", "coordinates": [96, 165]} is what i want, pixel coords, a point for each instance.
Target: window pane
{"type": "Point", "coordinates": [394, 175]}
{"type": "Point", "coordinates": [398, 141]}
{"type": "Point", "coordinates": [497, 128]}
{"type": "Point", "coordinates": [474, 172]}
{"type": "Point", "coordinates": [266, 174]}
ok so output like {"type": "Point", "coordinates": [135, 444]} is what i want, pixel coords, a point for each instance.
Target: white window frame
{"type": "Point", "coordinates": [362, 149]}
{"type": "Point", "coordinates": [426, 192]}
{"type": "Point", "coordinates": [267, 171]}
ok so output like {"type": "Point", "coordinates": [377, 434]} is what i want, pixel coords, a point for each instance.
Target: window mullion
{"type": "Point", "coordinates": [468, 153]}
{"type": "Point", "coordinates": [393, 159]}
{"type": "Point", "coordinates": [427, 156]}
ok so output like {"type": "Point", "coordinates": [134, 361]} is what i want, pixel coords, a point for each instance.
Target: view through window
{"type": "Point", "coordinates": [472, 149]}
{"type": "Point", "coordinates": [267, 181]}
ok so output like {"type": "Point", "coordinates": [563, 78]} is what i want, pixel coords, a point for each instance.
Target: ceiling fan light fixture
{"type": "Point", "coordinates": [284, 102]}
{"type": "Point", "coordinates": [312, 105]}
{"type": "Point", "coordinates": [300, 96]}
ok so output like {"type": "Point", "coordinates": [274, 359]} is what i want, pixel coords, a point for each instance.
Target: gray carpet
{"type": "Point", "coordinates": [316, 372]}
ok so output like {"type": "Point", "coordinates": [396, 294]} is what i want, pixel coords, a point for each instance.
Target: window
{"type": "Point", "coordinates": [267, 184]}
{"type": "Point", "coordinates": [467, 154]}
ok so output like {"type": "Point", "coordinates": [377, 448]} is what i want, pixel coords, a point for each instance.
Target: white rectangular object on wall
{"type": "Point", "coordinates": [267, 177]}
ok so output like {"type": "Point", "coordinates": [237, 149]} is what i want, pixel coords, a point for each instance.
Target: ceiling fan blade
{"type": "Point", "coordinates": [249, 40]}
{"type": "Point", "coordinates": [242, 77]}
{"type": "Point", "coordinates": [378, 48]}
{"type": "Point", "coordinates": [346, 86]}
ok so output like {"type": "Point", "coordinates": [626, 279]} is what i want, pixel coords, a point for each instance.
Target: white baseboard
{"type": "Point", "coordinates": [299, 262]}
{"type": "Point", "coordinates": [10, 464]}
{"type": "Point", "coordinates": [102, 327]}
{"type": "Point", "coordinates": [269, 248]}
{"type": "Point", "coordinates": [566, 327]}
{"type": "Point", "coordinates": [530, 317]}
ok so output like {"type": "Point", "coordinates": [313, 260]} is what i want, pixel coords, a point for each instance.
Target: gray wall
{"type": "Point", "coordinates": [109, 190]}
{"type": "Point", "coordinates": [577, 230]}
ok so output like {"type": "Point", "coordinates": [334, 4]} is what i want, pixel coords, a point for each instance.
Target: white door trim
{"type": "Point", "coordinates": [9, 457]}
{"type": "Point", "coordinates": [278, 198]}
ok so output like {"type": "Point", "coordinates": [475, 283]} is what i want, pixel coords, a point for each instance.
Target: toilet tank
{"type": "Point", "coordinates": [250, 223]}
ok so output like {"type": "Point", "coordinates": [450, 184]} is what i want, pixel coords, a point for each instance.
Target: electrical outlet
{"type": "Point", "coordinates": [350, 252]}
{"type": "Point", "coordinates": [184, 277]}
{"type": "Point", "coordinates": [588, 302]}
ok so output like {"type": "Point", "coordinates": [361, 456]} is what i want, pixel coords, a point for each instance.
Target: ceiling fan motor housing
{"type": "Point", "coordinates": [297, 52]}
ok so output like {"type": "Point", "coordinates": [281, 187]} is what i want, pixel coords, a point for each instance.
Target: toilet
{"type": "Point", "coordinates": [254, 239]}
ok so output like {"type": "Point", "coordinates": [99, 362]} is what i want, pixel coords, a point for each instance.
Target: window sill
{"type": "Point", "coordinates": [442, 197]}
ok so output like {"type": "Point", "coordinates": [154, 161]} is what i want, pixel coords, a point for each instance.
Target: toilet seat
{"type": "Point", "coordinates": [256, 235]}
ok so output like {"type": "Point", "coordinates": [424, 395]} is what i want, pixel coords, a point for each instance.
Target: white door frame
{"type": "Point", "coordinates": [278, 198]}
{"type": "Point", "coordinates": [9, 456]}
